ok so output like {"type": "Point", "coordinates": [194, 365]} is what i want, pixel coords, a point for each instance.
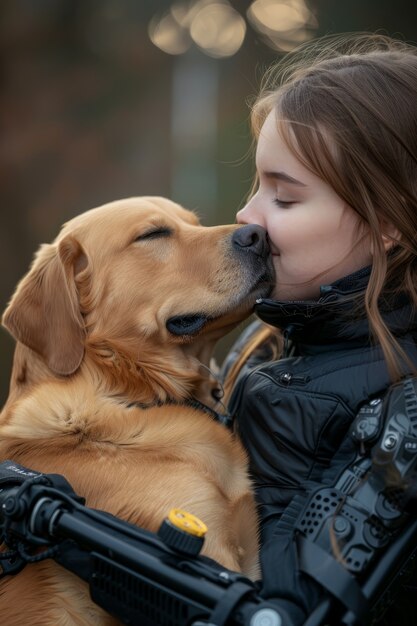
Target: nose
{"type": "Point", "coordinates": [251, 213]}
{"type": "Point", "coordinates": [242, 216]}
{"type": "Point", "coordinates": [251, 238]}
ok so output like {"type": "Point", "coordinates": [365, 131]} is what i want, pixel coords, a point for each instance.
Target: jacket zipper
{"type": "Point", "coordinates": [288, 347]}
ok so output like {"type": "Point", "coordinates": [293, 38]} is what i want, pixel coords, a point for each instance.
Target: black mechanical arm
{"type": "Point", "coordinates": [137, 576]}
{"type": "Point", "coordinates": [356, 537]}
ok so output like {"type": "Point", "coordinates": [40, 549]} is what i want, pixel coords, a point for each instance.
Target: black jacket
{"type": "Point", "coordinates": [293, 413]}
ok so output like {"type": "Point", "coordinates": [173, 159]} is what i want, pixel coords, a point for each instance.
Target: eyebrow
{"type": "Point", "coordinates": [284, 177]}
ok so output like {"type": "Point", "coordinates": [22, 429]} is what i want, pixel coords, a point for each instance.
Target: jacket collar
{"type": "Point", "coordinates": [337, 316]}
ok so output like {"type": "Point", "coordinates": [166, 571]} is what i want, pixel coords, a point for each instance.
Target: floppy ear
{"type": "Point", "coordinates": [44, 312]}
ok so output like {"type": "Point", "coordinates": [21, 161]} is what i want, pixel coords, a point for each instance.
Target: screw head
{"type": "Point", "coordinates": [390, 442]}
{"type": "Point", "coordinates": [340, 525]}
{"type": "Point", "coordinates": [266, 617]}
{"type": "Point", "coordinates": [11, 507]}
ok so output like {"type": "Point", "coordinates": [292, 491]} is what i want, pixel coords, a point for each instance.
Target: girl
{"type": "Point", "coordinates": [336, 191]}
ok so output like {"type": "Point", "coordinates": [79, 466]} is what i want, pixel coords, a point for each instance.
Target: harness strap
{"type": "Point", "coordinates": [331, 575]}
{"type": "Point", "coordinates": [224, 419]}
{"type": "Point", "coordinates": [235, 593]}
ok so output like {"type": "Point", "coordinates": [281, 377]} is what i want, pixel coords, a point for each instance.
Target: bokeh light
{"type": "Point", "coordinates": [168, 34]}
{"type": "Point", "coordinates": [218, 30]}
{"type": "Point", "coordinates": [283, 24]}
{"type": "Point", "coordinates": [214, 26]}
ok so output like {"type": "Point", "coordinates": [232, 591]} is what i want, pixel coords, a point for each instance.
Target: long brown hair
{"type": "Point", "coordinates": [347, 108]}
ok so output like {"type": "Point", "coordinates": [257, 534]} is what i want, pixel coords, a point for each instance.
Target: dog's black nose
{"type": "Point", "coordinates": [252, 238]}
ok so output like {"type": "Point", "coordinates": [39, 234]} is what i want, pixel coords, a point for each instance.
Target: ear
{"type": "Point", "coordinates": [44, 312]}
{"type": "Point", "coordinates": [390, 235]}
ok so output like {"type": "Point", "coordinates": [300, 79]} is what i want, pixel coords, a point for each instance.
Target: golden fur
{"type": "Point", "coordinates": [90, 320]}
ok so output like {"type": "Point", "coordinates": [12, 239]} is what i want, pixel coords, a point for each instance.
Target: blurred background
{"type": "Point", "coordinates": [104, 99]}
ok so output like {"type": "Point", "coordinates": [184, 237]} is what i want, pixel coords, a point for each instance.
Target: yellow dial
{"type": "Point", "coordinates": [187, 522]}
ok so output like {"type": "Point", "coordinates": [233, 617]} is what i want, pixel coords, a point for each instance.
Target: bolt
{"type": "Point", "coordinates": [390, 442]}
{"type": "Point", "coordinates": [340, 525]}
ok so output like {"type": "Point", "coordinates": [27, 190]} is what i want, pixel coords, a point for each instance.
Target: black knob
{"type": "Point", "coordinates": [183, 532]}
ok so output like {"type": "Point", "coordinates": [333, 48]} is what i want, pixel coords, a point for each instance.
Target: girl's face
{"type": "Point", "coordinates": [314, 235]}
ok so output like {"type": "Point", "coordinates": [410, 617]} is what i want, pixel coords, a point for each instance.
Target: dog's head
{"type": "Point", "coordinates": [137, 277]}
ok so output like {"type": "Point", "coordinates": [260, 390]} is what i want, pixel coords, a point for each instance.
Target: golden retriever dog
{"type": "Point", "coordinates": [115, 326]}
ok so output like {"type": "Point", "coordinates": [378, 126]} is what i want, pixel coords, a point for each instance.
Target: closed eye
{"type": "Point", "coordinates": [154, 233]}
{"type": "Point", "coordinates": [283, 203]}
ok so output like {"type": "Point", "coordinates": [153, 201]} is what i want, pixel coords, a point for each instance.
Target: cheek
{"type": "Point", "coordinates": [310, 230]}
{"type": "Point", "coordinates": [287, 233]}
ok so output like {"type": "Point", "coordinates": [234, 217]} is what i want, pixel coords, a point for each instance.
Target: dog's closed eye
{"type": "Point", "coordinates": [154, 233]}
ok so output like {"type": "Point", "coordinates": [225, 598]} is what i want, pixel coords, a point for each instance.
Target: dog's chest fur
{"type": "Point", "coordinates": [128, 460]}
